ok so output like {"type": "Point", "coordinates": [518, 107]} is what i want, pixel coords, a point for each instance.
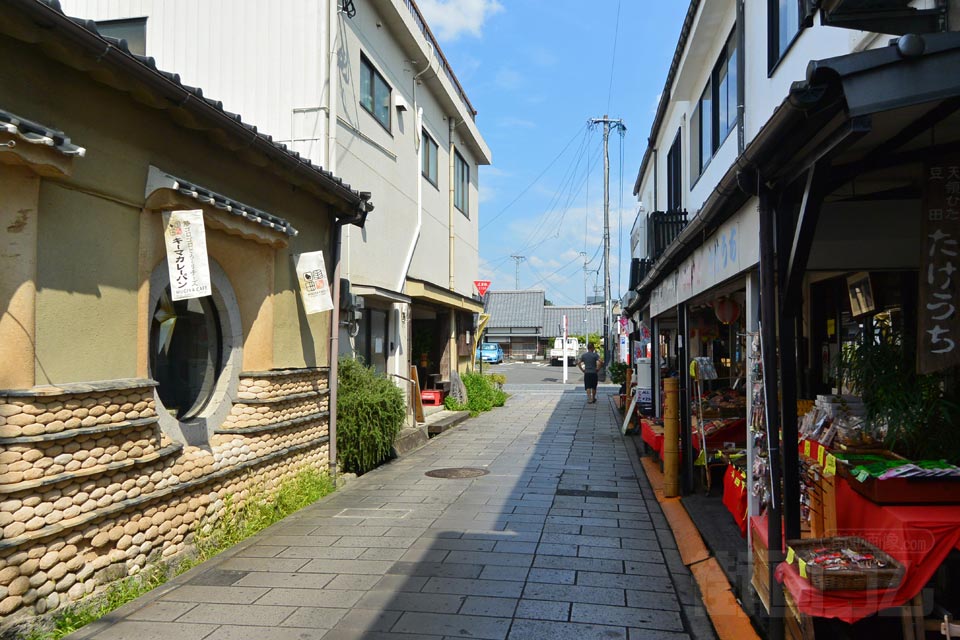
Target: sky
{"type": "Point", "coordinates": [537, 71]}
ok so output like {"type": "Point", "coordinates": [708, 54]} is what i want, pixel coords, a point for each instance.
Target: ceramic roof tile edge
{"type": "Point", "coordinates": [86, 34]}
{"type": "Point", "coordinates": [157, 179]}
{"type": "Point", "coordinates": [36, 133]}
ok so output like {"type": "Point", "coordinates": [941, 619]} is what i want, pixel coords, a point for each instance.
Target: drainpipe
{"type": "Point", "coordinates": [334, 352]}
{"type": "Point", "coordinates": [741, 76]}
{"type": "Point", "coordinates": [453, 127]}
{"type": "Point", "coordinates": [333, 32]}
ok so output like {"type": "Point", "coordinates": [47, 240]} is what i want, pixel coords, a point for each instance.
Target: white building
{"type": "Point", "coordinates": [361, 88]}
{"type": "Point", "coordinates": [790, 153]}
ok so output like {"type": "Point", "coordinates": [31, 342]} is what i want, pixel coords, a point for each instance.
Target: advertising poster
{"type": "Point", "coordinates": [314, 287]}
{"type": "Point", "coordinates": [186, 243]}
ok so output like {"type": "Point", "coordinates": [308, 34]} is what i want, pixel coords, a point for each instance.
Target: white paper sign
{"type": "Point", "coordinates": [314, 288]}
{"type": "Point", "coordinates": [186, 243]}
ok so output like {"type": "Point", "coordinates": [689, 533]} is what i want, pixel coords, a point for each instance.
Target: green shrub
{"type": "Point", "coordinates": [483, 394]}
{"type": "Point", "coordinates": [618, 372]}
{"type": "Point", "coordinates": [370, 413]}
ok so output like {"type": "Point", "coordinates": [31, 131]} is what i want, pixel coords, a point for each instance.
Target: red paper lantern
{"type": "Point", "coordinates": [727, 310]}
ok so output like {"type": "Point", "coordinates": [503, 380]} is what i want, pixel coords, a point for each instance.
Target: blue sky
{"type": "Point", "coordinates": [537, 71]}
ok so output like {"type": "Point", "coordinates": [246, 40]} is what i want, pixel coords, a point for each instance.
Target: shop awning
{"type": "Point", "coordinates": [379, 293]}
{"type": "Point", "coordinates": [424, 291]}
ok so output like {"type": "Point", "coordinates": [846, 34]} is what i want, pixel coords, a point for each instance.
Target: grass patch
{"type": "Point", "coordinates": [484, 392]}
{"type": "Point", "coordinates": [235, 524]}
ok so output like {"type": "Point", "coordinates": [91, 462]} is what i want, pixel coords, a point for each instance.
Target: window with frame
{"type": "Point", "coordinates": [374, 93]}
{"type": "Point", "coordinates": [133, 30]}
{"type": "Point", "coordinates": [461, 184]}
{"type": "Point", "coordinates": [430, 152]}
{"type": "Point", "coordinates": [717, 112]}
{"type": "Point", "coordinates": [784, 23]}
{"type": "Point", "coordinates": [675, 176]}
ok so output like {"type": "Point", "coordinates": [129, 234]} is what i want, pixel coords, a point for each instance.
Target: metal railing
{"type": "Point", "coordinates": [425, 29]}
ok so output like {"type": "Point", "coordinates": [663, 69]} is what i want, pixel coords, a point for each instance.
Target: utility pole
{"type": "Point", "coordinates": [617, 125]}
{"type": "Point", "coordinates": [518, 260]}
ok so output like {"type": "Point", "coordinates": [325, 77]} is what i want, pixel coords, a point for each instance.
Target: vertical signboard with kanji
{"type": "Point", "coordinates": [938, 327]}
{"type": "Point", "coordinates": [186, 243]}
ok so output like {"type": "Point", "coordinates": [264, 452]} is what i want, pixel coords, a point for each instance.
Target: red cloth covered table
{"type": "Point", "coordinates": [735, 496]}
{"type": "Point", "coordinates": [918, 536]}
{"type": "Point", "coordinates": [735, 431]}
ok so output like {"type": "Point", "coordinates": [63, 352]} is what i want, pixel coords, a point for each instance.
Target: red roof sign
{"type": "Point", "coordinates": [482, 286]}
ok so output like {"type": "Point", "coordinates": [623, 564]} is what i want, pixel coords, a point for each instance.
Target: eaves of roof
{"type": "Point", "coordinates": [36, 133]}
{"type": "Point", "coordinates": [113, 54]}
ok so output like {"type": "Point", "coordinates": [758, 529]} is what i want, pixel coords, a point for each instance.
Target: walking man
{"type": "Point", "coordinates": [589, 363]}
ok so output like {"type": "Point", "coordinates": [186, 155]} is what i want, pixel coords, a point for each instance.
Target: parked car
{"type": "Point", "coordinates": [490, 352]}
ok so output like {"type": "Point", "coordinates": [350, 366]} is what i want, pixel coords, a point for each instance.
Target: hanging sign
{"type": "Point", "coordinates": [938, 329]}
{"type": "Point", "coordinates": [314, 287]}
{"type": "Point", "coordinates": [482, 286]}
{"type": "Point", "coordinates": [186, 243]}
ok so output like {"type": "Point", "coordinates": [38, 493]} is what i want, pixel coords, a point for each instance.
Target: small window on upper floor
{"type": "Point", "coordinates": [133, 30]}
{"type": "Point", "coordinates": [374, 93]}
{"type": "Point", "coordinates": [784, 23]}
{"type": "Point", "coordinates": [461, 184]}
{"type": "Point", "coordinates": [675, 176]}
{"type": "Point", "coordinates": [717, 112]}
{"type": "Point", "coordinates": [429, 165]}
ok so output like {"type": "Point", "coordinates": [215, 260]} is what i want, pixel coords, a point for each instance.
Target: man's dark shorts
{"type": "Point", "coordinates": [589, 380]}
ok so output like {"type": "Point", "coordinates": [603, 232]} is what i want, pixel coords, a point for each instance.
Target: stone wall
{"type": "Point", "coordinates": [91, 490]}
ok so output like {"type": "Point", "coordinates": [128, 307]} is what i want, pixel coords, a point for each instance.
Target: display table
{"type": "Point", "coordinates": [734, 430]}
{"type": "Point", "coordinates": [919, 537]}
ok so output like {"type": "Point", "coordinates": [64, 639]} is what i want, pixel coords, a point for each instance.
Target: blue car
{"type": "Point", "coordinates": [490, 352]}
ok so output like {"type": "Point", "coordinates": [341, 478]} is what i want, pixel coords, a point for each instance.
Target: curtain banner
{"type": "Point", "coordinates": [186, 243]}
{"type": "Point", "coordinates": [314, 287]}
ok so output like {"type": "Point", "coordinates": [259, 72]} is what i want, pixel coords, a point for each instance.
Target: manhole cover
{"type": "Point", "coordinates": [457, 472]}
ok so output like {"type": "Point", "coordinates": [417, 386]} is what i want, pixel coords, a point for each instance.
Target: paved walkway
{"type": "Point", "coordinates": [562, 539]}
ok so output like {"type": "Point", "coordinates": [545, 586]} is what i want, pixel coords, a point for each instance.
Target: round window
{"type": "Point", "coordinates": [186, 353]}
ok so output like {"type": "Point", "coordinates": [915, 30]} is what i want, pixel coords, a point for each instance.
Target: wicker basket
{"type": "Point", "coordinates": [847, 579]}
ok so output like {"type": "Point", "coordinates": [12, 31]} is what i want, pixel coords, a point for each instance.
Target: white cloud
{"type": "Point", "coordinates": [449, 19]}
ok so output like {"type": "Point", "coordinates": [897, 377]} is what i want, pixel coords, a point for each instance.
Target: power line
{"type": "Point", "coordinates": [530, 186]}
{"type": "Point", "coordinates": [518, 260]}
{"type": "Point", "coordinates": [613, 60]}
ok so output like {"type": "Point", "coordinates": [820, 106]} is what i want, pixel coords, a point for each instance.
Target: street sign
{"type": "Point", "coordinates": [482, 286]}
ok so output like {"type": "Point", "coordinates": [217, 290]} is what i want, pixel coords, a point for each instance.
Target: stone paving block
{"type": "Point", "coordinates": [459, 625]}
{"type": "Point", "coordinates": [349, 530]}
{"type": "Point", "coordinates": [487, 606]}
{"type": "Point", "coordinates": [574, 593]}
{"type": "Point", "coordinates": [542, 630]}
{"type": "Point", "coordinates": [218, 595]}
{"type": "Point", "coordinates": [436, 569]}
{"type": "Point", "coordinates": [462, 586]}
{"type": "Point", "coordinates": [125, 630]}
{"type": "Point", "coordinates": [514, 525]}
{"type": "Point", "coordinates": [548, 549]}
{"type": "Point", "coordinates": [422, 555]}
{"type": "Point", "coordinates": [656, 634]}
{"type": "Point", "coordinates": [453, 544]}
{"type": "Point", "coordinates": [331, 553]}
{"type": "Point", "coordinates": [553, 576]}
{"type": "Point", "coordinates": [626, 616]}
{"type": "Point", "coordinates": [562, 528]}
{"type": "Point", "coordinates": [368, 620]}
{"type": "Point", "coordinates": [424, 602]}
{"type": "Point", "coordinates": [505, 546]}
{"type": "Point", "coordinates": [216, 578]}
{"type": "Point", "coordinates": [375, 541]}
{"type": "Point", "coordinates": [290, 580]}
{"type": "Point", "coordinates": [543, 610]}
{"type": "Point", "coordinates": [491, 572]}
{"type": "Point", "coordinates": [237, 614]}
{"type": "Point", "coordinates": [663, 601]}
{"type": "Point", "coordinates": [357, 582]}
{"type": "Point", "coordinates": [490, 558]}
{"type": "Point", "coordinates": [266, 633]}
{"type": "Point", "coordinates": [259, 551]}
{"type": "Point", "coordinates": [516, 536]}
{"type": "Point", "coordinates": [288, 565]}
{"type": "Point", "coordinates": [645, 533]}
{"type": "Point", "coordinates": [315, 617]}
{"type": "Point", "coordinates": [347, 566]}
{"type": "Point", "coordinates": [311, 597]}
{"type": "Point", "coordinates": [162, 611]}
{"type": "Point", "coordinates": [593, 541]}
{"type": "Point", "coordinates": [382, 553]}
{"type": "Point", "coordinates": [297, 541]}
{"type": "Point", "coordinates": [620, 554]}
{"type": "Point", "coordinates": [624, 581]}
{"type": "Point", "coordinates": [399, 583]}
{"type": "Point", "coordinates": [645, 568]}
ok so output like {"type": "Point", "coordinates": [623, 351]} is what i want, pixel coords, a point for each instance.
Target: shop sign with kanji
{"type": "Point", "coordinates": [938, 326]}
{"type": "Point", "coordinates": [186, 244]}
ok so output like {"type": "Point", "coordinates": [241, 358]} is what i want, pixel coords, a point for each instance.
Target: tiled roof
{"type": "Point", "coordinates": [145, 68]}
{"type": "Point", "coordinates": [514, 308]}
{"type": "Point", "coordinates": [36, 133]}
{"type": "Point", "coordinates": [580, 320]}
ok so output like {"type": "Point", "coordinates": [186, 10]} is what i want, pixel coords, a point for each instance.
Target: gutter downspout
{"type": "Point", "coordinates": [453, 127]}
{"type": "Point", "coordinates": [333, 378]}
{"type": "Point", "coordinates": [333, 113]}
{"type": "Point", "coordinates": [741, 76]}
